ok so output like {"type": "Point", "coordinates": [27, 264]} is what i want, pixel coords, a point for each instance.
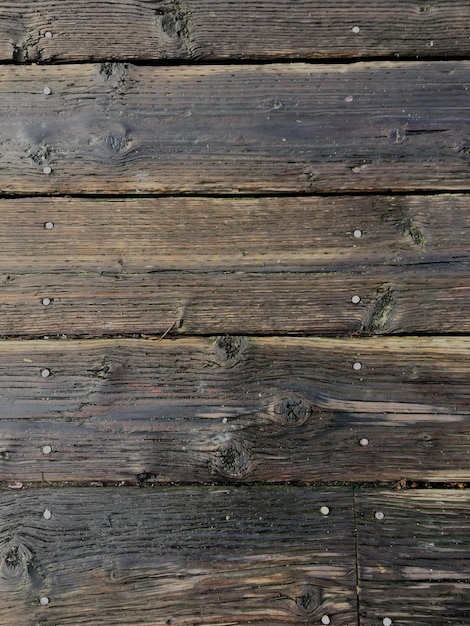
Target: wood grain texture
{"type": "Point", "coordinates": [118, 128]}
{"type": "Point", "coordinates": [413, 564]}
{"type": "Point", "coordinates": [235, 410]}
{"type": "Point", "coordinates": [426, 299]}
{"type": "Point", "coordinates": [180, 557]}
{"type": "Point", "coordinates": [314, 233]}
{"type": "Point", "coordinates": [216, 29]}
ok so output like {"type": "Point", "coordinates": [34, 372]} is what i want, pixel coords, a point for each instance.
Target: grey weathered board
{"type": "Point", "coordinates": [177, 556]}
{"type": "Point", "coordinates": [119, 128]}
{"type": "Point", "coordinates": [414, 564]}
{"type": "Point", "coordinates": [216, 29]}
{"type": "Point", "coordinates": [225, 265]}
{"type": "Point", "coordinates": [235, 409]}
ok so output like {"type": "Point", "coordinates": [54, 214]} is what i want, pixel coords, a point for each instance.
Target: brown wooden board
{"type": "Point", "coordinates": [235, 409]}
{"type": "Point", "coordinates": [179, 557]}
{"type": "Point", "coordinates": [67, 30]}
{"type": "Point", "coordinates": [413, 564]}
{"type": "Point", "coordinates": [426, 299]}
{"type": "Point", "coordinates": [118, 128]}
{"type": "Point", "coordinates": [314, 233]}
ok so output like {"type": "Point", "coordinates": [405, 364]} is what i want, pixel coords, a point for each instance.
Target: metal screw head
{"type": "Point", "coordinates": [325, 510]}
{"type": "Point", "coordinates": [47, 169]}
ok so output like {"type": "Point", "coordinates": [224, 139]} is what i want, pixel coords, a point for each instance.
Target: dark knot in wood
{"type": "Point", "coordinates": [15, 562]}
{"type": "Point", "coordinates": [233, 460]}
{"type": "Point", "coordinates": [229, 349]}
{"type": "Point", "coordinates": [292, 411]}
{"type": "Point", "coordinates": [307, 602]}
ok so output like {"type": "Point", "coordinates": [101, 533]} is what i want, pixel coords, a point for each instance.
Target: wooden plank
{"type": "Point", "coordinates": [413, 563]}
{"type": "Point", "coordinates": [216, 29]}
{"type": "Point", "coordinates": [235, 409]}
{"type": "Point", "coordinates": [118, 128]}
{"type": "Point", "coordinates": [88, 304]}
{"type": "Point", "coordinates": [229, 234]}
{"type": "Point", "coordinates": [179, 556]}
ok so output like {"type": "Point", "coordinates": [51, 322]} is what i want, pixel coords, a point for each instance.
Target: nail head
{"type": "Point", "coordinates": [47, 514]}
{"type": "Point", "coordinates": [349, 99]}
{"type": "Point", "coordinates": [358, 233]}
{"type": "Point", "coordinates": [326, 620]}
{"type": "Point", "coordinates": [47, 449]}
{"type": "Point", "coordinates": [325, 510]}
{"type": "Point", "coordinates": [356, 29]}
{"type": "Point", "coordinates": [387, 621]}
{"type": "Point", "coordinates": [44, 601]}
{"type": "Point", "coordinates": [355, 299]}
{"type": "Point", "coordinates": [380, 516]}
{"type": "Point", "coordinates": [45, 373]}
{"type": "Point", "coordinates": [48, 34]}
{"type": "Point", "coordinates": [46, 301]}
{"type": "Point", "coordinates": [47, 169]}
{"type": "Point", "coordinates": [364, 441]}
{"type": "Point", "coordinates": [49, 225]}
{"type": "Point", "coordinates": [357, 366]}
{"type": "Point", "coordinates": [47, 91]}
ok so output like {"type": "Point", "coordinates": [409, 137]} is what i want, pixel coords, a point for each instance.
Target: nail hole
{"type": "Point", "coordinates": [358, 233]}
{"type": "Point", "coordinates": [325, 510]}
{"type": "Point", "coordinates": [355, 299]}
{"type": "Point", "coordinates": [357, 366]}
{"type": "Point", "coordinates": [44, 601]}
{"type": "Point", "coordinates": [45, 373]}
{"type": "Point", "coordinates": [47, 514]}
{"type": "Point", "coordinates": [47, 449]}
{"type": "Point", "coordinates": [364, 442]}
{"type": "Point", "coordinates": [380, 516]}
{"type": "Point", "coordinates": [356, 29]}
{"type": "Point", "coordinates": [49, 225]}
{"type": "Point", "coordinates": [47, 91]}
{"type": "Point", "coordinates": [47, 169]}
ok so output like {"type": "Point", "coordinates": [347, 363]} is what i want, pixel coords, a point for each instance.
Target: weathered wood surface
{"type": "Point", "coordinates": [227, 234]}
{"type": "Point", "coordinates": [413, 564]}
{"type": "Point", "coordinates": [113, 129]}
{"type": "Point", "coordinates": [425, 299]}
{"type": "Point", "coordinates": [243, 410]}
{"type": "Point", "coordinates": [179, 556]}
{"type": "Point", "coordinates": [216, 29]}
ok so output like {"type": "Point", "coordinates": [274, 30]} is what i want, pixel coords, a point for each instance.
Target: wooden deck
{"type": "Point", "coordinates": [234, 313]}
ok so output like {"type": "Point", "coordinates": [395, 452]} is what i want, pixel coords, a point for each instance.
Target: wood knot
{"type": "Point", "coordinates": [15, 561]}
{"type": "Point", "coordinates": [307, 601]}
{"type": "Point", "coordinates": [228, 349]}
{"type": "Point", "coordinates": [233, 460]}
{"type": "Point", "coordinates": [292, 411]}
